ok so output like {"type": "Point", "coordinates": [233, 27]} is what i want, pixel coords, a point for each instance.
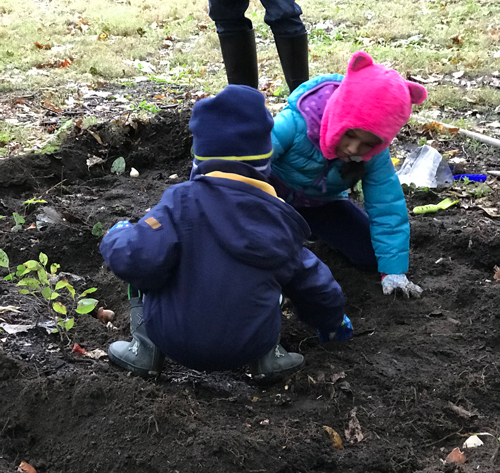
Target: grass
{"type": "Point", "coordinates": [105, 37]}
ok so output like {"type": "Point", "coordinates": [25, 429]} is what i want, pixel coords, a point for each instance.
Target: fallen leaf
{"type": "Point", "coordinates": [497, 273]}
{"type": "Point", "coordinates": [93, 161]}
{"type": "Point", "coordinates": [16, 328]}
{"type": "Point", "coordinates": [49, 105]}
{"type": "Point", "coordinates": [456, 456]}
{"type": "Point", "coordinates": [353, 432]}
{"type": "Point", "coordinates": [78, 349]}
{"type": "Point", "coordinates": [336, 439]}
{"type": "Point", "coordinates": [26, 467]}
{"type": "Point", "coordinates": [11, 308]}
{"type": "Point", "coordinates": [457, 39]}
{"type": "Point", "coordinates": [96, 354]}
{"type": "Point", "coordinates": [42, 46]}
{"type": "Point", "coordinates": [490, 211]}
{"type": "Point", "coordinates": [436, 127]}
{"type": "Point", "coordinates": [31, 227]}
{"type": "Point", "coordinates": [96, 136]}
{"type": "Point", "coordinates": [429, 80]}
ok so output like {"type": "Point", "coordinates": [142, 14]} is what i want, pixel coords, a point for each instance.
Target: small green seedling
{"type": "Point", "coordinates": [34, 201]}
{"type": "Point", "coordinates": [98, 231]}
{"type": "Point", "coordinates": [19, 222]}
{"type": "Point", "coordinates": [41, 283]}
{"type": "Point", "coordinates": [118, 166]}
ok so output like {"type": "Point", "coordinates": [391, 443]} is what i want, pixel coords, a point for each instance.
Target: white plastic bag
{"type": "Point", "coordinates": [425, 167]}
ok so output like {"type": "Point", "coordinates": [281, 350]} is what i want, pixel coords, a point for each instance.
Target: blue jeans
{"type": "Point", "coordinates": [346, 227]}
{"type": "Point", "coordinates": [283, 16]}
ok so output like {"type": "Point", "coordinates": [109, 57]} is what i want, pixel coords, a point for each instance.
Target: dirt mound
{"type": "Point", "coordinates": [417, 377]}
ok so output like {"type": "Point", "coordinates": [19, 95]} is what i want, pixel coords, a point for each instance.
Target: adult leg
{"type": "Point", "coordinates": [283, 16]}
{"type": "Point", "coordinates": [237, 41]}
{"type": "Point", "coordinates": [345, 227]}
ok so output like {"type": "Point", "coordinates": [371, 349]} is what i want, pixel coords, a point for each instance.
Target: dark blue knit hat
{"type": "Point", "coordinates": [234, 125]}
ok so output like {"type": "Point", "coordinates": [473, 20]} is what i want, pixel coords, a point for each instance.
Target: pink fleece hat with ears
{"type": "Point", "coordinates": [370, 97]}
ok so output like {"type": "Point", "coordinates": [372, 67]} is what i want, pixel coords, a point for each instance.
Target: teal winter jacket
{"type": "Point", "coordinates": [299, 163]}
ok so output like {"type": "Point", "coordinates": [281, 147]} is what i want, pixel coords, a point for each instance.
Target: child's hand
{"type": "Point", "coordinates": [122, 224]}
{"type": "Point", "coordinates": [399, 282]}
{"type": "Point", "coordinates": [344, 332]}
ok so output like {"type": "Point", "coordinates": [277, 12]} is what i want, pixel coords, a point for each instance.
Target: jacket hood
{"type": "Point", "coordinates": [246, 219]}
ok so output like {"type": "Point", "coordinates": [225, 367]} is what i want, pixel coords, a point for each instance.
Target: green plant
{"type": "Point", "coordinates": [43, 282]}
{"type": "Point", "coordinates": [34, 201]}
{"type": "Point", "coordinates": [479, 189]}
{"type": "Point", "coordinates": [148, 107]}
{"type": "Point", "coordinates": [19, 222]}
{"type": "Point", "coordinates": [98, 231]}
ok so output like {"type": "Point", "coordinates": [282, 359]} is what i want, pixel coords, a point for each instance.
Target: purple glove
{"type": "Point", "coordinates": [399, 282]}
{"type": "Point", "coordinates": [344, 332]}
{"type": "Point", "coordinates": [122, 224]}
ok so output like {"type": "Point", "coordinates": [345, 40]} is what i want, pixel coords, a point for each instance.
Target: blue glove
{"type": "Point", "coordinates": [344, 332]}
{"type": "Point", "coordinates": [399, 282]}
{"type": "Point", "coordinates": [122, 224]}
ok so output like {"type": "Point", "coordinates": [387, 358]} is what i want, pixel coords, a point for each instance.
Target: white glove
{"type": "Point", "coordinates": [399, 282]}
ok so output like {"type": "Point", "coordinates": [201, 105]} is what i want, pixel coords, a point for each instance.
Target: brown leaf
{"type": "Point", "coordinates": [436, 127]}
{"type": "Point", "coordinates": [42, 46]}
{"type": "Point", "coordinates": [353, 432]}
{"type": "Point", "coordinates": [457, 39]}
{"type": "Point", "coordinates": [456, 456]}
{"type": "Point", "coordinates": [96, 136]}
{"type": "Point", "coordinates": [48, 104]}
{"type": "Point", "coordinates": [497, 273]}
{"type": "Point", "coordinates": [26, 467]}
{"type": "Point", "coordinates": [336, 439]}
{"type": "Point", "coordinates": [78, 349]}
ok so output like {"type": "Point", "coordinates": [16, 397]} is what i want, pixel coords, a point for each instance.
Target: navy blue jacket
{"type": "Point", "coordinates": [212, 259]}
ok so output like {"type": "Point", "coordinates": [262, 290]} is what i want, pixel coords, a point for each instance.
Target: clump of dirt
{"type": "Point", "coordinates": [415, 380]}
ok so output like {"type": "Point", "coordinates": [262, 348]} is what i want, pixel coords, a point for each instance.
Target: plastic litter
{"type": "Point", "coordinates": [425, 167]}
{"type": "Point", "coordinates": [444, 204]}
{"type": "Point", "coordinates": [472, 442]}
{"type": "Point", "coordinates": [471, 177]}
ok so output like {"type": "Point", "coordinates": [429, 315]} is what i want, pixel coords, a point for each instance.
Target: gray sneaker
{"type": "Point", "coordinates": [277, 364]}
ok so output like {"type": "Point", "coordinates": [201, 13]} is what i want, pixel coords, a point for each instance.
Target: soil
{"type": "Point", "coordinates": [418, 377]}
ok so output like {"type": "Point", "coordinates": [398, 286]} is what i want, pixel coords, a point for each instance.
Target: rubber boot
{"type": "Point", "coordinates": [140, 356]}
{"type": "Point", "coordinates": [277, 364]}
{"type": "Point", "coordinates": [240, 58]}
{"type": "Point", "coordinates": [293, 52]}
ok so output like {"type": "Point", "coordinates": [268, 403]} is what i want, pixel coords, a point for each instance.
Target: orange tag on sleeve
{"type": "Point", "coordinates": [153, 223]}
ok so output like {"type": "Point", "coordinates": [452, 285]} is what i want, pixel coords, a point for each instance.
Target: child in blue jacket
{"type": "Point", "coordinates": [335, 131]}
{"type": "Point", "coordinates": [214, 256]}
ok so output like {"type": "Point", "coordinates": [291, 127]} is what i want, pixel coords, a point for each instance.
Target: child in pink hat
{"type": "Point", "coordinates": [334, 132]}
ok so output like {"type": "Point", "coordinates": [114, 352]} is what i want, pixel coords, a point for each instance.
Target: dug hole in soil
{"type": "Point", "coordinates": [417, 378]}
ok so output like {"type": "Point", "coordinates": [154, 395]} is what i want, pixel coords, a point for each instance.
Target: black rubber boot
{"type": "Point", "coordinates": [293, 52]}
{"type": "Point", "coordinates": [141, 356]}
{"type": "Point", "coordinates": [277, 364]}
{"type": "Point", "coordinates": [240, 58]}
